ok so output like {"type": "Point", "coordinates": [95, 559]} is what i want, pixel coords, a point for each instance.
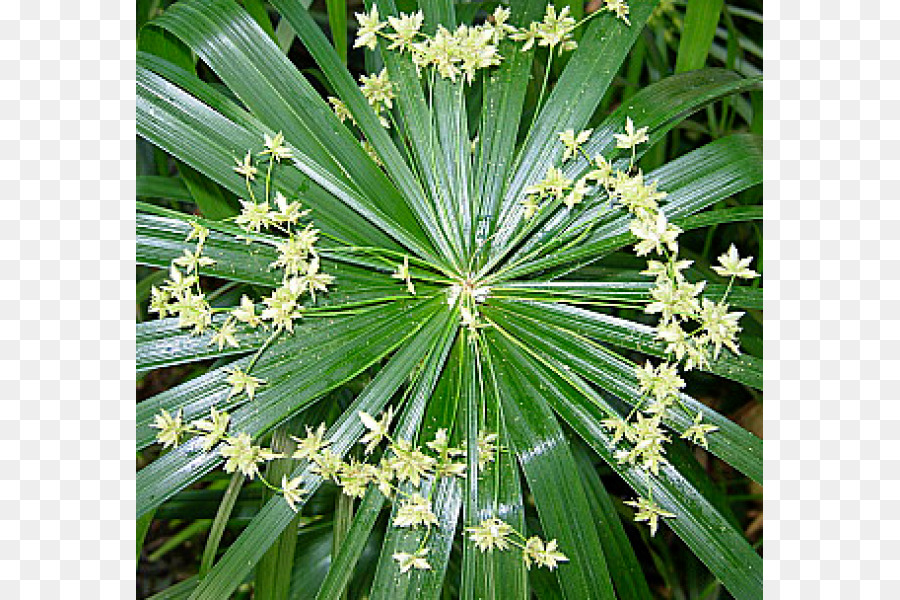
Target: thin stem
{"type": "Point", "coordinates": [262, 349]}
{"type": "Point", "coordinates": [540, 101]}
{"type": "Point", "coordinates": [250, 190]}
{"type": "Point", "coordinates": [218, 526]}
{"type": "Point", "coordinates": [269, 175]}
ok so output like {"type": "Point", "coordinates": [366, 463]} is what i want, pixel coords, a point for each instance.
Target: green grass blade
{"type": "Point", "coordinates": [552, 476]}
{"type": "Point", "coordinates": [313, 544]}
{"type": "Point", "coordinates": [162, 233]}
{"type": "Point", "coordinates": [570, 105]}
{"type": "Point", "coordinates": [700, 21]}
{"type": "Point", "coordinates": [179, 591]}
{"type": "Point", "coordinates": [418, 584]}
{"type": "Point", "coordinates": [162, 343]}
{"type": "Point", "coordinates": [156, 186]}
{"type": "Point", "coordinates": [257, 10]}
{"type": "Point", "coordinates": [337, 22]}
{"type": "Point", "coordinates": [292, 387]}
{"type": "Point", "coordinates": [232, 44]}
{"type": "Point", "coordinates": [343, 563]}
{"type": "Point", "coordinates": [446, 495]}
{"type": "Point", "coordinates": [218, 525]}
{"type": "Point", "coordinates": [142, 526]}
{"type": "Point", "coordinates": [693, 182]}
{"type": "Point", "coordinates": [495, 493]}
{"type": "Point", "coordinates": [419, 123]}
{"type": "Point", "coordinates": [209, 197]}
{"type": "Point", "coordinates": [633, 336]}
{"type": "Point", "coordinates": [311, 336]}
{"type": "Point", "coordinates": [451, 124]}
{"type": "Point", "coordinates": [432, 377]}
{"type": "Point", "coordinates": [615, 293]}
{"type": "Point", "coordinates": [660, 107]}
{"type": "Point", "coordinates": [210, 142]}
{"type": "Point", "coordinates": [624, 567]}
{"type": "Point", "coordinates": [504, 95]}
{"type": "Point", "coordinates": [272, 579]}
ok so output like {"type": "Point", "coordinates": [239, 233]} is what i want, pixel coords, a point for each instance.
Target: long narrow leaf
{"type": "Point", "coordinates": [494, 493]}
{"type": "Point", "coordinates": [602, 49]}
{"type": "Point", "coordinates": [552, 477]}
{"type": "Point", "coordinates": [210, 142]}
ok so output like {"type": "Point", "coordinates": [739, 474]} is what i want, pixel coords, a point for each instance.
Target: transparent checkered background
{"type": "Point", "coordinates": [66, 305]}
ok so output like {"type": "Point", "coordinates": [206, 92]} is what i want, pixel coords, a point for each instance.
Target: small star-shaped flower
{"type": "Point", "coordinates": [631, 137]}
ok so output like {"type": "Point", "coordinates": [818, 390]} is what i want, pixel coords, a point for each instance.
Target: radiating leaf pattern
{"type": "Point", "coordinates": [555, 351]}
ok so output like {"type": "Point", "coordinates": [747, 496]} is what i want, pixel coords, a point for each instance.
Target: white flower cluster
{"type": "Point", "coordinates": [400, 462]}
{"type": "Point", "coordinates": [238, 450]}
{"type": "Point", "coordinates": [493, 534]}
{"type": "Point", "coordinates": [470, 48]}
{"type": "Point", "coordinates": [461, 52]}
{"type": "Point", "coordinates": [182, 296]}
{"type": "Point", "coordinates": [297, 255]}
{"type": "Point", "coordinates": [694, 329]}
{"type": "Point", "coordinates": [378, 91]}
{"type": "Point", "coordinates": [630, 191]}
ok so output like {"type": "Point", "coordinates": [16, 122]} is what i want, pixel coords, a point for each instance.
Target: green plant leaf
{"type": "Point", "coordinates": [660, 107]}
{"type": "Point", "coordinates": [342, 565]}
{"type": "Point", "coordinates": [257, 10]}
{"type": "Point", "coordinates": [272, 579]}
{"type": "Point", "coordinates": [323, 53]}
{"type": "Point", "coordinates": [209, 197]}
{"type": "Point", "coordinates": [179, 591]}
{"type": "Point", "coordinates": [546, 359]}
{"type": "Point", "coordinates": [694, 181]}
{"type": "Point", "coordinates": [163, 343]}
{"type": "Point", "coordinates": [591, 69]}
{"type": "Point", "coordinates": [433, 378]}
{"type": "Point", "coordinates": [418, 122]}
{"type": "Point", "coordinates": [314, 339]}
{"type": "Point", "coordinates": [445, 494]}
{"type": "Point", "coordinates": [494, 493]}
{"type": "Point", "coordinates": [504, 96]}
{"type": "Point", "coordinates": [156, 186]}
{"type": "Point", "coordinates": [193, 132]}
{"type": "Point", "coordinates": [700, 21]}
{"type": "Point", "coordinates": [614, 292]}
{"type": "Point", "coordinates": [549, 468]}
{"type": "Point", "coordinates": [337, 21]}
{"type": "Point", "coordinates": [623, 564]}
